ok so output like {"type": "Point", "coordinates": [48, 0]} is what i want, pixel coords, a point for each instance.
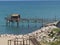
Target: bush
{"type": "Point", "coordinates": [55, 43]}
{"type": "Point", "coordinates": [56, 30]}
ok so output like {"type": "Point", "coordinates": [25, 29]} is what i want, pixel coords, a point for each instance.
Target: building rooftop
{"type": "Point", "coordinates": [15, 15]}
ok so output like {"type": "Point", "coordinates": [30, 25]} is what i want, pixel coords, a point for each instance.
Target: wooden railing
{"type": "Point", "coordinates": [34, 41]}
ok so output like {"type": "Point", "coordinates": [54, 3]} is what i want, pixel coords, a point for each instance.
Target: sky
{"type": "Point", "coordinates": [29, 0]}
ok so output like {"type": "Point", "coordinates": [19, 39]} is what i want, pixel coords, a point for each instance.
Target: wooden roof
{"type": "Point", "coordinates": [15, 15]}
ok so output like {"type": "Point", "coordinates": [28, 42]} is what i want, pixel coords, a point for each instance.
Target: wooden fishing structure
{"type": "Point", "coordinates": [13, 18]}
{"type": "Point", "coordinates": [17, 18]}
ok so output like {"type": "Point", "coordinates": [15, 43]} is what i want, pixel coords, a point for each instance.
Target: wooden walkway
{"type": "Point", "coordinates": [36, 20]}
{"type": "Point", "coordinates": [19, 41]}
{"type": "Point", "coordinates": [23, 41]}
{"type": "Point", "coordinates": [34, 41]}
{"type": "Point", "coordinates": [29, 20]}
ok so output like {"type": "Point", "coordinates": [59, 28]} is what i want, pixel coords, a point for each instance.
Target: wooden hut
{"type": "Point", "coordinates": [13, 18]}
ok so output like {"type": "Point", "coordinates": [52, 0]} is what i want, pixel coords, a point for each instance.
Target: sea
{"type": "Point", "coordinates": [27, 9]}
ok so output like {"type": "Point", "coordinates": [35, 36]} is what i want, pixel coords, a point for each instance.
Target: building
{"type": "Point", "coordinates": [12, 18]}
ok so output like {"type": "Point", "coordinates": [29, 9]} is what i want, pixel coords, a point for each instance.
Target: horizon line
{"type": "Point", "coordinates": [15, 0]}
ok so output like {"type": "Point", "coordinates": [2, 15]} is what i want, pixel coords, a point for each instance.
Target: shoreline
{"type": "Point", "coordinates": [38, 34]}
{"type": "Point", "coordinates": [29, 34]}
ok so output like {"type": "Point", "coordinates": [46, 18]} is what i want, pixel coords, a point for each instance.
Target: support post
{"type": "Point", "coordinates": [26, 42]}
{"type": "Point", "coordinates": [42, 22]}
{"type": "Point", "coordinates": [6, 23]}
{"type": "Point", "coordinates": [29, 40]}
{"type": "Point", "coordinates": [55, 19]}
{"type": "Point", "coordinates": [9, 42]}
{"type": "Point", "coordinates": [17, 41]}
{"type": "Point", "coordinates": [14, 42]}
{"type": "Point", "coordinates": [17, 24]}
{"type": "Point", "coordinates": [35, 23]}
{"type": "Point", "coordinates": [28, 24]}
{"type": "Point", "coordinates": [23, 41]}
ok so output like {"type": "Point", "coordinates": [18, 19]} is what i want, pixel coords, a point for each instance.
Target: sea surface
{"type": "Point", "coordinates": [27, 9]}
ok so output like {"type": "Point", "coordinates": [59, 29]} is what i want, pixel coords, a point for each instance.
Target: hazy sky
{"type": "Point", "coordinates": [29, 0]}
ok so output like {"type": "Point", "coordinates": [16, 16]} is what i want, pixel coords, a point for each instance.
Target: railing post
{"type": "Point", "coordinates": [29, 40]}
{"type": "Point", "coordinates": [17, 41]}
{"type": "Point", "coordinates": [14, 42]}
{"type": "Point", "coordinates": [9, 42]}
{"type": "Point", "coordinates": [23, 40]}
{"type": "Point", "coordinates": [26, 42]}
{"type": "Point", "coordinates": [20, 42]}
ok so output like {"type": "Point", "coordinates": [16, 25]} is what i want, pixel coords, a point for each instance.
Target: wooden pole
{"type": "Point", "coordinates": [6, 23]}
{"type": "Point", "coordinates": [42, 22]}
{"type": "Point", "coordinates": [29, 40]}
{"type": "Point", "coordinates": [14, 42]}
{"type": "Point", "coordinates": [9, 23]}
{"type": "Point", "coordinates": [8, 42]}
{"type": "Point", "coordinates": [28, 24]}
{"type": "Point", "coordinates": [26, 42]}
{"type": "Point", "coordinates": [17, 41]}
{"type": "Point", "coordinates": [35, 23]}
{"type": "Point", "coordinates": [23, 40]}
{"type": "Point", "coordinates": [55, 19]}
{"type": "Point", "coordinates": [17, 24]}
{"type": "Point", "coordinates": [20, 42]}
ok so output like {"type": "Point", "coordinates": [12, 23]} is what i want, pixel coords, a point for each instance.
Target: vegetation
{"type": "Point", "coordinates": [54, 33]}
{"type": "Point", "coordinates": [50, 43]}
{"type": "Point", "coordinates": [55, 43]}
{"type": "Point", "coordinates": [56, 30]}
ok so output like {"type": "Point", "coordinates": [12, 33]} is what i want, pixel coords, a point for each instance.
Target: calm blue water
{"type": "Point", "coordinates": [27, 9]}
